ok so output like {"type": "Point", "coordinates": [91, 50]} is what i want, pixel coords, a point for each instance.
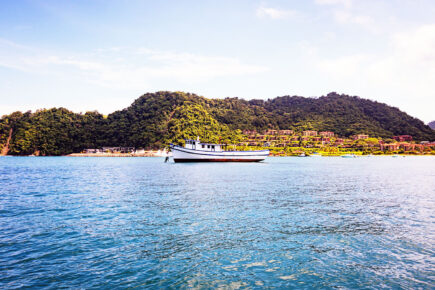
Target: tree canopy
{"type": "Point", "coordinates": [156, 119]}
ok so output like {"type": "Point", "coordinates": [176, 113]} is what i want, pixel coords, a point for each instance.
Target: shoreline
{"type": "Point", "coordinates": [162, 156]}
{"type": "Point", "coordinates": [146, 154]}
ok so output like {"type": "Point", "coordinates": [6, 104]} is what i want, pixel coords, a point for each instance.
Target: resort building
{"type": "Point", "coordinates": [309, 133]}
{"type": "Point", "coordinates": [285, 132]}
{"type": "Point", "coordinates": [270, 132]}
{"type": "Point", "coordinates": [360, 137]}
{"type": "Point", "coordinates": [249, 132]}
{"type": "Point", "coordinates": [327, 134]}
{"type": "Point", "coordinates": [403, 138]}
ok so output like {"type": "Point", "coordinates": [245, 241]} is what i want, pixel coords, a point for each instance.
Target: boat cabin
{"type": "Point", "coordinates": [196, 145]}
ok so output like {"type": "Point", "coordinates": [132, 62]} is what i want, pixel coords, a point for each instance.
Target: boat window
{"type": "Point", "coordinates": [208, 146]}
{"type": "Point", "coordinates": [203, 146]}
{"type": "Point", "coordinates": [212, 146]}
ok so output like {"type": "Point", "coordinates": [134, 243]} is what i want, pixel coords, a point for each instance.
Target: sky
{"type": "Point", "coordinates": [102, 54]}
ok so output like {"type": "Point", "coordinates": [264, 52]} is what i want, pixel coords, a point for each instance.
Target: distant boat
{"type": "Point", "coordinates": [395, 156]}
{"type": "Point", "coordinates": [303, 155]}
{"type": "Point", "coordinates": [195, 151]}
{"type": "Point", "coordinates": [348, 156]}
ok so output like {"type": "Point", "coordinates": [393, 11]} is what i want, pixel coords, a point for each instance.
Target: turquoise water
{"type": "Point", "coordinates": [286, 223]}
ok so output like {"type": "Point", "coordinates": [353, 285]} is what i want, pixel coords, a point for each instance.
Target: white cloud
{"type": "Point", "coordinates": [274, 13]}
{"type": "Point", "coordinates": [347, 17]}
{"type": "Point", "coordinates": [125, 67]}
{"type": "Point", "coordinates": [345, 3]}
{"type": "Point", "coordinates": [345, 12]}
{"type": "Point", "coordinates": [403, 75]}
{"type": "Point", "coordinates": [410, 64]}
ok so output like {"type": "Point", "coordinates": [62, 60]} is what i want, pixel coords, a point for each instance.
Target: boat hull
{"type": "Point", "coordinates": [181, 154]}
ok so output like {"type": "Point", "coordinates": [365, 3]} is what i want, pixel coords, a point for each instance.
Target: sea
{"type": "Point", "coordinates": [286, 223]}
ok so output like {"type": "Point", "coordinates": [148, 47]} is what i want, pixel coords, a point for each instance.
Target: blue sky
{"type": "Point", "coordinates": [101, 55]}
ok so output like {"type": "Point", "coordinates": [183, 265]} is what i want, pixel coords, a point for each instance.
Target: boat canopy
{"type": "Point", "coordinates": [197, 145]}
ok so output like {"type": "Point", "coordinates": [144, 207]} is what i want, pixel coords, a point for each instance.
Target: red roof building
{"type": "Point", "coordinates": [327, 134]}
{"type": "Point", "coordinates": [402, 138]}
{"type": "Point", "coordinates": [309, 133]}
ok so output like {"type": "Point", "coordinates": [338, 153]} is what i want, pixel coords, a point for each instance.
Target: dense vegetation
{"type": "Point", "coordinates": [156, 119]}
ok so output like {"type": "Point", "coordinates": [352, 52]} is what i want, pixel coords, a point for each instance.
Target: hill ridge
{"type": "Point", "coordinates": [155, 119]}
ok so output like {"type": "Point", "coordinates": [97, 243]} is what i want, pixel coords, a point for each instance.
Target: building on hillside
{"type": "Point", "coordinates": [285, 132]}
{"type": "Point", "coordinates": [325, 141]}
{"type": "Point", "coordinates": [249, 132]}
{"type": "Point", "coordinates": [410, 146]}
{"type": "Point", "coordinates": [270, 132]}
{"type": "Point", "coordinates": [339, 141]}
{"type": "Point", "coordinates": [326, 134]}
{"type": "Point", "coordinates": [402, 138]}
{"type": "Point", "coordinates": [405, 146]}
{"type": "Point", "coordinates": [360, 137]}
{"type": "Point", "coordinates": [389, 147]}
{"type": "Point", "coordinates": [309, 133]}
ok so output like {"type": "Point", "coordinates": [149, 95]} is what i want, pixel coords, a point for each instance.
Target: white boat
{"type": "Point", "coordinates": [195, 151]}
{"type": "Point", "coordinates": [348, 156]}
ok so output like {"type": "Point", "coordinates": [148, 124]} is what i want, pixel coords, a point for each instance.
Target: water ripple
{"type": "Point", "coordinates": [286, 223]}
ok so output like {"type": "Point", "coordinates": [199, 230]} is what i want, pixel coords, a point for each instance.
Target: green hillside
{"type": "Point", "coordinates": [156, 119]}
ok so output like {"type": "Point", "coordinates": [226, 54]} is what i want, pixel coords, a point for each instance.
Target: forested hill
{"type": "Point", "coordinates": [155, 119]}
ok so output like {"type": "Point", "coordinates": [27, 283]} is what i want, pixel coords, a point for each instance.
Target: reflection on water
{"type": "Point", "coordinates": [288, 222]}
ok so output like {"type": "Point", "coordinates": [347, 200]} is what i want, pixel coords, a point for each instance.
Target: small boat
{"type": "Point", "coordinates": [195, 151]}
{"type": "Point", "coordinates": [348, 156]}
{"type": "Point", "coordinates": [395, 156]}
{"type": "Point", "coordinates": [303, 155]}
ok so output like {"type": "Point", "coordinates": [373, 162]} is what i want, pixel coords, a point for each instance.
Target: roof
{"type": "Point", "coordinates": [204, 143]}
{"type": "Point", "coordinates": [211, 144]}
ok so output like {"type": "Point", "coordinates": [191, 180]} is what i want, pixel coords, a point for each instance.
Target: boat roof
{"type": "Point", "coordinates": [203, 142]}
